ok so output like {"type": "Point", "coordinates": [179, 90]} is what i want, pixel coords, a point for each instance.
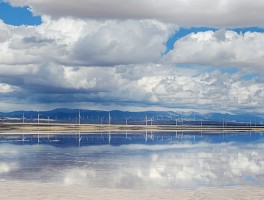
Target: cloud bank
{"type": "Point", "coordinates": [218, 13]}
{"type": "Point", "coordinates": [84, 55]}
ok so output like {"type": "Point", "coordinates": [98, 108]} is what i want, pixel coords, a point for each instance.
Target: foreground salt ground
{"type": "Point", "coordinates": [42, 191]}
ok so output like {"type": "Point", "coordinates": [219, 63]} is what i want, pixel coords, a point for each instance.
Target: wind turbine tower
{"type": "Point", "coordinates": [79, 122]}
{"type": "Point", "coordinates": [127, 120]}
{"type": "Point", "coordinates": [38, 117]}
{"type": "Point", "coordinates": [109, 119]}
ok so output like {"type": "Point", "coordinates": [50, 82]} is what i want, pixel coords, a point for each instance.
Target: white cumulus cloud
{"type": "Point", "coordinates": [220, 48]}
{"type": "Point", "coordinates": [84, 42]}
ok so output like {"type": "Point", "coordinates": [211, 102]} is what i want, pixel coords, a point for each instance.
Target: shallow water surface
{"type": "Point", "coordinates": [146, 160]}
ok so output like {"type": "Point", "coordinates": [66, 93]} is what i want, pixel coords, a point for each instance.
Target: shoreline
{"type": "Point", "coordinates": [58, 128]}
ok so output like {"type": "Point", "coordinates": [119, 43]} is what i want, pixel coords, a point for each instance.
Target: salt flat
{"type": "Point", "coordinates": [17, 128]}
{"type": "Point", "coordinates": [14, 190]}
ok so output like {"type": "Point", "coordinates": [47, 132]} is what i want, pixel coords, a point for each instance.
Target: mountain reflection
{"type": "Point", "coordinates": [162, 161]}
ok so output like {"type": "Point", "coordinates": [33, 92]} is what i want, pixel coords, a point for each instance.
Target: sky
{"type": "Point", "coordinates": [179, 55]}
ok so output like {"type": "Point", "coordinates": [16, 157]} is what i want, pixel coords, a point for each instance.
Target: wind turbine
{"type": "Point", "coordinates": [109, 118]}
{"type": "Point", "coordinates": [109, 137]}
{"type": "Point", "coordinates": [148, 120]}
{"type": "Point", "coordinates": [38, 137]}
{"type": "Point", "coordinates": [127, 120]}
{"type": "Point", "coordinates": [151, 121]}
{"type": "Point", "coordinates": [38, 117]}
{"type": "Point", "coordinates": [79, 139]}
{"type": "Point", "coordinates": [23, 138]}
{"type": "Point", "coordinates": [79, 118]}
{"type": "Point", "coordinates": [23, 118]}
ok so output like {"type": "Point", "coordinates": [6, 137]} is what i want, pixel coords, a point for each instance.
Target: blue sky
{"type": "Point", "coordinates": [18, 16]}
{"type": "Point", "coordinates": [79, 55]}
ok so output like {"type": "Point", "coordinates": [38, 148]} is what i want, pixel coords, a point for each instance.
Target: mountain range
{"type": "Point", "coordinates": [64, 114]}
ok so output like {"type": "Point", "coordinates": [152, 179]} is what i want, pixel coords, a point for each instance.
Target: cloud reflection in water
{"type": "Point", "coordinates": [138, 166]}
{"type": "Point", "coordinates": [174, 166]}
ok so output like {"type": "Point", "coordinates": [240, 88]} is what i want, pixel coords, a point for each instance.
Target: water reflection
{"type": "Point", "coordinates": [117, 138]}
{"type": "Point", "coordinates": [135, 160]}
